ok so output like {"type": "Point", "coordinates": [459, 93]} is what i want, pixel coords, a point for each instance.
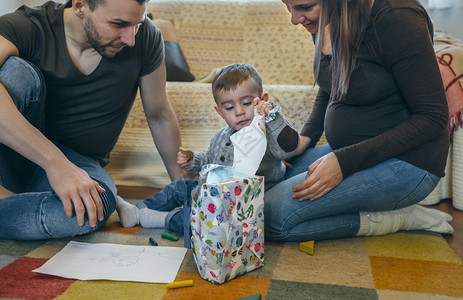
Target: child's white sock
{"type": "Point", "coordinates": [128, 213]}
{"type": "Point", "coordinates": [415, 217]}
{"type": "Point", "coordinates": [150, 218]}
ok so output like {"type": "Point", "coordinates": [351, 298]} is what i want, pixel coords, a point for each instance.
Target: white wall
{"type": "Point", "coordinates": [447, 15]}
{"type": "Point", "coordinates": [443, 3]}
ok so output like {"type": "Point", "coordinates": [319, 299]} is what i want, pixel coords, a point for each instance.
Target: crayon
{"type": "Point", "coordinates": [307, 247]}
{"type": "Point", "coordinates": [153, 242]}
{"type": "Point", "coordinates": [169, 237]}
{"type": "Point", "coordinates": [253, 297]}
{"type": "Point", "coordinates": [179, 284]}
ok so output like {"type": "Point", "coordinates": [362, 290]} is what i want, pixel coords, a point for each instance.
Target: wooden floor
{"type": "Point", "coordinates": [455, 240]}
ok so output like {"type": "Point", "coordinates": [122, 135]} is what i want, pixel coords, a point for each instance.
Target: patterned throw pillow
{"type": "Point", "coordinates": [449, 53]}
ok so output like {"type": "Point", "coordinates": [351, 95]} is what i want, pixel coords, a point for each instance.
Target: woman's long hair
{"type": "Point", "coordinates": [347, 20]}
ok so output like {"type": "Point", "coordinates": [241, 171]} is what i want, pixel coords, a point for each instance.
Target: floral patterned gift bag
{"type": "Point", "coordinates": [227, 224]}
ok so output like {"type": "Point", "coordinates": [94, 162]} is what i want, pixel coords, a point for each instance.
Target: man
{"type": "Point", "coordinates": [90, 56]}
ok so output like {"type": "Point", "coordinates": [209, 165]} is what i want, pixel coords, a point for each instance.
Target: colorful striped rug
{"type": "Point", "coordinates": [412, 265]}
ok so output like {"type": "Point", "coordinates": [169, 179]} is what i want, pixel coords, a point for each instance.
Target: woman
{"type": "Point", "coordinates": [383, 109]}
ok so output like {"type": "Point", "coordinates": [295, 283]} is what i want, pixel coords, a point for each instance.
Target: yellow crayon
{"type": "Point", "coordinates": [307, 247]}
{"type": "Point", "coordinates": [179, 284]}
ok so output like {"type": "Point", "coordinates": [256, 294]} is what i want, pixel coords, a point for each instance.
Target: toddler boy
{"type": "Point", "coordinates": [237, 90]}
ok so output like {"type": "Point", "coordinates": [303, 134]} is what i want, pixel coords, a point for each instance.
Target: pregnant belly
{"type": "Point", "coordinates": [347, 125]}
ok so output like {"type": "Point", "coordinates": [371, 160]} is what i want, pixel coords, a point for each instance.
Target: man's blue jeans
{"type": "Point", "coordinates": [35, 211]}
{"type": "Point", "coordinates": [390, 185]}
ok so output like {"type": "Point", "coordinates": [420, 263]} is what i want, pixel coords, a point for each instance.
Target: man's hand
{"type": "Point", "coordinates": [75, 188]}
{"type": "Point", "coordinates": [323, 175]}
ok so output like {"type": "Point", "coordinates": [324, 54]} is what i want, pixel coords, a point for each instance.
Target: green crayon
{"type": "Point", "coordinates": [169, 237]}
{"type": "Point", "coordinates": [153, 242]}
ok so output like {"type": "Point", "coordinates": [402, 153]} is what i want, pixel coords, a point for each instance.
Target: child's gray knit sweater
{"type": "Point", "coordinates": [278, 148]}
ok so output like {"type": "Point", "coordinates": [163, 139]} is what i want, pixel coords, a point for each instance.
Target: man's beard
{"type": "Point", "coordinates": [94, 38]}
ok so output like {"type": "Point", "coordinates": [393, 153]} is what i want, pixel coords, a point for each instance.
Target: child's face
{"type": "Point", "coordinates": [236, 106]}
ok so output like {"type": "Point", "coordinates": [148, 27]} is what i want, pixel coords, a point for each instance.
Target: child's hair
{"type": "Point", "coordinates": [229, 77]}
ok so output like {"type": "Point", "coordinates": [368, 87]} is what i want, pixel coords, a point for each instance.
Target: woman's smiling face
{"type": "Point", "coordinates": [304, 12]}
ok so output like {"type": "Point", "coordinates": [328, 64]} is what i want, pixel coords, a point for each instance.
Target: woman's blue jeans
{"type": "Point", "coordinates": [35, 211]}
{"type": "Point", "coordinates": [390, 185]}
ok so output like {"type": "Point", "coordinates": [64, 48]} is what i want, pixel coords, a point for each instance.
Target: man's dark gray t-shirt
{"type": "Point", "coordinates": [84, 112]}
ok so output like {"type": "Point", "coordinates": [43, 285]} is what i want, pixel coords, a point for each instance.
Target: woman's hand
{"type": "Point", "coordinates": [323, 175]}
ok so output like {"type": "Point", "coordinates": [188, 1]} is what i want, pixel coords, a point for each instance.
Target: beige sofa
{"type": "Point", "coordinates": [213, 34]}
{"type": "Point", "coordinates": [216, 33]}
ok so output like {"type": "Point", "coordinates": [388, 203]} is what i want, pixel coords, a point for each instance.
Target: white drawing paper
{"type": "Point", "coordinates": [87, 261]}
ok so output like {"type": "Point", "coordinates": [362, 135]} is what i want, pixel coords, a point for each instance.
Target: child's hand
{"type": "Point", "coordinates": [262, 105]}
{"type": "Point", "coordinates": [263, 108]}
{"type": "Point", "coordinates": [184, 158]}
